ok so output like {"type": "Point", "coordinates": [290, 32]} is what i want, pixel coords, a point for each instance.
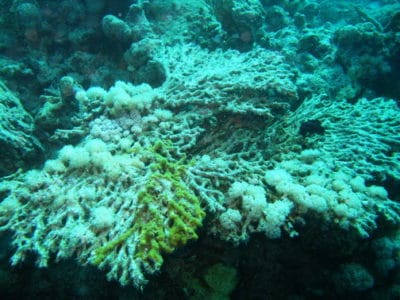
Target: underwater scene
{"type": "Point", "coordinates": [199, 149]}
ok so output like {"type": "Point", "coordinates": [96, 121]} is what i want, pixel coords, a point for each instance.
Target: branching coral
{"type": "Point", "coordinates": [160, 231]}
{"type": "Point", "coordinates": [256, 82]}
{"type": "Point", "coordinates": [126, 196]}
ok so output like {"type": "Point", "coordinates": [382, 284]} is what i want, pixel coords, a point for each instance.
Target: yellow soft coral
{"type": "Point", "coordinates": [168, 212]}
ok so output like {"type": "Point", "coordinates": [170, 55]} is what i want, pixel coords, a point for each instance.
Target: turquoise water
{"type": "Point", "coordinates": [217, 149]}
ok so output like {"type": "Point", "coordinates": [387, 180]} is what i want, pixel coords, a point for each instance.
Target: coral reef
{"type": "Point", "coordinates": [121, 205]}
{"type": "Point", "coordinates": [200, 149]}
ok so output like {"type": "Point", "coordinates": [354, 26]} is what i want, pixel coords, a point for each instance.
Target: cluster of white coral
{"type": "Point", "coordinates": [248, 211]}
{"type": "Point", "coordinates": [315, 184]}
{"type": "Point", "coordinates": [301, 185]}
{"type": "Point", "coordinates": [79, 201]}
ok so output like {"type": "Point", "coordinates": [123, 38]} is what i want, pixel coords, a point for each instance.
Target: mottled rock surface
{"type": "Point", "coordinates": [17, 141]}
